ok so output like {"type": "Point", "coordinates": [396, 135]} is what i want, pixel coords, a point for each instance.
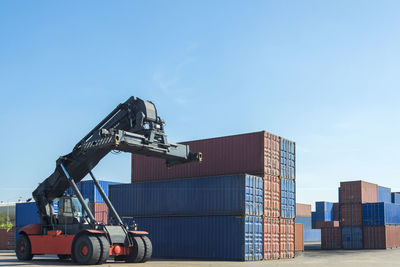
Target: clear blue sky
{"type": "Point", "coordinates": [322, 73]}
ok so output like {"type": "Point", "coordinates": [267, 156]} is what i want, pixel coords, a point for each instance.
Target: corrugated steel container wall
{"type": "Point", "coordinates": [242, 153]}
{"type": "Point", "coordinates": [358, 192]}
{"type": "Point", "coordinates": [396, 198]}
{"type": "Point", "coordinates": [100, 212]}
{"type": "Point", "coordinates": [239, 194]}
{"type": "Point", "coordinates": [286, 238]}
{"type": "Point", "coordinates": [299, 237]}
{"type": "Point", "coordinates": [271, 238]}
{"type": "Point", "coordinates": [374, 237]}
{"type": "Point", "coordinates": [306, 221]}
{"type": "Point", "coordinates": [313, 219]}
{"type": "Point", "coordinates": [323, 216]}
{"type": "Point", "coordinates": [11, 238]}
{"type": "Point", "coordinates": [331, 238]}
{"type": "Point", "coordinates": [312, 235]}
{"type": "Point", "coordinates": [272, 196]}
{"type": "Point", "coordinates": [384, 194]}
{"type": "Point", "coordinates": [392, 236]}
{"type": "Point", "coordinates": [208, 237]}
{"type": "Point", "coordinates": [352, 237]}
{"type": "Point", "coordinates": [26, 213]}
{"type": "Point", "coordinates": [323, 207]}
{"type": "Point", "coordinates": [374, 214]}
{"type": "Point", "coordinates": [89, 190]}
{"type": "Point", "coordinates": [351, 214]}
{"type": "Point", "coordinates": [288, 159]}
{"type": "Point", "coordinates": [288, 198]}
{"type": "Point", "coordinates": [303, 210]}
{"type": "Point", "coordinates": [336, 212]}
{"type": "Point", "coordinates": [3, 238]}
{"type": "Point", "coordinates": [328, 224]}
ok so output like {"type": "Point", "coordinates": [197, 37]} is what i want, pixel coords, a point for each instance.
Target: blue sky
{"type": "Point", "coordinates": [325, 74]}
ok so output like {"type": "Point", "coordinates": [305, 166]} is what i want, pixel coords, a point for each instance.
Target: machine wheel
{"type": "Point", "coordinates": [148, 248]}
{"type": "Point", "coordinates": [138, 250]}
{"type": "Point", "coordinates": [23, 248]}
{"type": "Point", "coordinates": [63, 257]}
{"type": "Point", "coordinates": [86, 250]}
{"type": "Point", "coordinates": [105, 249]}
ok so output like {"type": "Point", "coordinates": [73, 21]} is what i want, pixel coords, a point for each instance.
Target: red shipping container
{"type": "Point", "coordinates": [351, 214]}
{"type": "Point", "coordinates": [271, 238]}
{"type": "Point", "coordinates": [331, 238]}
{"type": "Point", "coordinates": [327, 224]}
{"type": "Point", "coordinates": [358, 192]}
{"type": "Point", "coordinates": [303, 210]}
{"type": "Point", "coordinates": [381, 237]}
{"type": "Point", "coordinates": [252, 153]}
{"type": "Point", "coordinates": [272, 196]}
{"type": "Point", "coordinates": [287, 238]}
{"type": "Point", "coordinates": [299, 237]}
{"type": "Point", "coordinates": [100, 212]}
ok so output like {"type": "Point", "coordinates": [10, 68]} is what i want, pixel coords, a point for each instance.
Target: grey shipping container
{"type": "Point", "coordinates": [238, 238]}
{"type": "Point", "coordinates": [240, 194]}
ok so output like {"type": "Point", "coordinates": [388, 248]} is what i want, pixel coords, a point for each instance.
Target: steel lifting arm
{"type": "Point", "coordinates": [133, 126]}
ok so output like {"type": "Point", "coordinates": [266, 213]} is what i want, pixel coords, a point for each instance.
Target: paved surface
{"type": "Point", "coordinates": [342, 258]}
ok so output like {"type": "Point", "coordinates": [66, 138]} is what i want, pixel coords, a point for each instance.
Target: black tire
{"type": "Point", "coordinates": [63, 257]}
{"type": "Point", "coordinates": [138, 250]}
{"type": "Point", "coordinates": [105, 249]}
{"type": "Point", "coordinates": [86, 250]}
{"type": "Point", "coordinates": [148, 248]}
{"type": "Point", "coordinates": [23, 248]}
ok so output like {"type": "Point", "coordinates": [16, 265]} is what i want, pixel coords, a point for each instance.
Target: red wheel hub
{"type": "Point", "coordinates": [85, 250]}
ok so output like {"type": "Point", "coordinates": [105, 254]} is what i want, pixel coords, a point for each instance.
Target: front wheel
{"type": "Point", "coordinates": [138, 250]}
{"type": "Point", "coordinates": [23, 248]}
{"type": "Point", "coordinates": [86, 250]}
{"type": "Point", "coordinates": [148, 248]}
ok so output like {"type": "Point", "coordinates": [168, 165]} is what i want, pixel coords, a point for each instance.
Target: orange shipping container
{"type": "Point", "coordinates": [303, 210]}
{"type": "Point", "coordinates": [299, 237]}
{"type": "Point", "coordinates": [272, 196]}
{"type": "Point", "coordinates": [358, 192]}
{"type": "Point", "coordinates": [271, 238]}
{"type": "Point", "coordinates": [287, 238]}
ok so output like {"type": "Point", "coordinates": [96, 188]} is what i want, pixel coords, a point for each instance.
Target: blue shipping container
{"type": "Point", "coordinates": [288, 198]}
{"type": "Point", "coordinates": [352, 238]}
{"type": "Point", "coordinates": [312, 235]}
{"type": "Point", "coordinates": [323, 216]}
{"type": "Point", "coordinates": [89, 190]}
{"type": "Point", "coordinates": [304, 220]}
{"type": "Point", "coordinates": [396, 198]}
{"type": "Point", "coordinates": [384, 194]}
{"type": "Point", "coordinates": [323, 206]}
{"type": "Point", "coordinates": [208, 237]}
{"type": "Point", "coordinates": [313, 219]}
{"type": "Point", "coordinates": [288, 159]}
{"type": "Point", "coordinates": [240, 194]}
{"type": "Point", "coordinates": [380, 214]}
{"type": "Point", "coordinates": [26, 213]}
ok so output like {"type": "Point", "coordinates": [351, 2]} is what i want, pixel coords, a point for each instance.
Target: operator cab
{"type": "Point", "coordinates": [70, 210]}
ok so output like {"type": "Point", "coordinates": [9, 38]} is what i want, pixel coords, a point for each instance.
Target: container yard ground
{"type": "Point", "coordinates": [325, 258]}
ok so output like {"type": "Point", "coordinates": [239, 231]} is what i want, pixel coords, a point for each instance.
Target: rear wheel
{"type": "Point", "coordinates": [148, 248]}
{"type": "Point", "coordinates": [138, 250]}
{"type": "Point", "coordinates": [23, 248]}
{"type": "Point", "coordinates": [86, 250]}
{"type": "Point", "coordinates": [105, 249]}
{"type": "Point", "coordinates": [63, 257]}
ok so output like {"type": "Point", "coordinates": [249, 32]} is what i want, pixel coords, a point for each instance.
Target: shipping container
{"type": "Point", "coordinates": [374, 214]}
{"type": "Point", "coordinates": [313, 219]}
{"type": "Point", "coordinates": [100, 212]}
{"type": "Point", "coordinates": [89, 190]}
{"type": "Point", "coordinates": [288, 159]}
{"type": "Point", "coordinates": [255, 153]}
{"type": "Point", "coordinates": [271, 238]}
{"type": "Point", "coordinates": [288, 198]}
{"type": "Point", "coordinates": [239, 194]}
{"type": "Point", "coordinates": [286, 239]}
{"type": "Point", "coordinates": [323, 207]}
{"type": "Point", "coordinates": [299, 237]}
{"type": "Point", "coordinates": [306, 221]}
{"type": "Point", "coordinates": [331, 238]}
{"type": "Point", "coordinates": [396, 198]}
{"type": "Point", "coordinates": [358, 192]}
{"type": "Point", "coordinates": [384, 194]}
{"type": "Point", "coordinates": [312, 235]}
{"type": "Point", "coordinates": [323, 216]}
{"type": "Point", "coordinates": [235, 238]}
{"type": "Point", "coordinates": [272, 196]}
{"type": "Point", "coordinates": [336, 212]}
{"type": "Point", "coordinates": [303, 210]}
{"type": "Point", "coordinates": [26, 213]}
{"type": "Point", "coordinates": [328, 224]}
{"type": "Point", "coordinates": [351, 214]}
{"type": "Point", "coordinates": [381, 237]}
{"type": "Point", "coordinates": [352, 237]}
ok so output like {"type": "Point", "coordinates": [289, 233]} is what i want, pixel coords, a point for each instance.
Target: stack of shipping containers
{"type": "Point", "coordinates": [248, 156]}
{"type": "Point", "coordinates": [303, 217]}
